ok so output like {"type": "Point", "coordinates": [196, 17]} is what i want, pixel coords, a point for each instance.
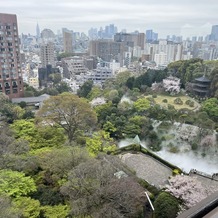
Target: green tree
{"type": "Point", "coordinates": [142, 123]}
{"type": "Point", "coordinates": [110, 128]}
{"type": "Point", "coordinates": [211, 107]}
{"type": "Point", "coordinates": [103, 111]}
{"type": "Point", "coordinates": [63, 55]}
{"type": "Point", "coordinates": [57, 211]}
{"type": "Point", "coordinates": [100, 142]}
{"type": "Point", "coordinates": [85, 89]}
{"type": "Point", "coordinates": [130, 82]}
{"type": "Point", "coordinates": [94, 93]}
{"type": "Point", "coordinates": [8, 111]}
{"type": "Point", "coordinates": [122, 78]}
{"type": "Point", "coordinates": [62, 87]}
{"type": "Point", "coordinates": [70, 112]}
{"type": "Point", "coordinates": [214, 82]}
{"type": "Point", "coordinates": [59, 161]}
{"type": "Point", "coordinates": [15, 184]}
{"type": "Point", "coordinates": [27, 207]}
{"type": "Point", "coordinates": [166, 206]}
{"type": "Point", "coordinates": [38, 136]}
{"type": "Point", "coordinates": [142, 104]}
{"type": "Point", "coordinates": [55, 78]}
{"type": "Point", "coordinates": [113, 94]}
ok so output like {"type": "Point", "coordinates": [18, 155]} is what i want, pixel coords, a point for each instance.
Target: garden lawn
{"type": "Point", "coordinates": [170, 100]}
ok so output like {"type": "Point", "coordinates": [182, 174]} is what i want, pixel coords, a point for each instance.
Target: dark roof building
{"type": "Point", "coordinates": [34, 101]}
{"type": "Point", "coordinates": [202, 86]}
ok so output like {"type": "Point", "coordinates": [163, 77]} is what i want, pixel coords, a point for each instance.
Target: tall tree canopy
{"type": "Point", "coordinates": [67, 110]}
{"type": "Point", "coordinates": [15, 184]}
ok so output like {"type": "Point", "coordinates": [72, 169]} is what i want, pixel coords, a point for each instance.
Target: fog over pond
{"type": "Point", "coordinates": [186, 161]}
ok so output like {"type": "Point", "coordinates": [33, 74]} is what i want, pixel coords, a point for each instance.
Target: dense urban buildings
{"type": "Point", "coordinates": [106, 47]}
{"type": "Point", "coordinates": [11, 82]}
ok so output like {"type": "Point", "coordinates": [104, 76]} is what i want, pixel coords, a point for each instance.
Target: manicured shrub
{"type": "Point", "coordinates": [178, 101]}
{"type": "Point", "coordinates": [191, 104]}
{"type": "Point", "coordinates": [166, 206]}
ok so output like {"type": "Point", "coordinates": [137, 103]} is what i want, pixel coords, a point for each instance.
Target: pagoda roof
{"type": "Point", "coordinates": [202, 79]}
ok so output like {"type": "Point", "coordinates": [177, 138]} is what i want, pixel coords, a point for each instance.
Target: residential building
{"type": "Point", "coordinates": [11, 81]}
{"type": "Point", "coordinates": [113, 65]}
{"type": "Point", "coordinates": [141, 40]}
{"type": "Point", "coordinates": [73, 66]}
{"type": "Point", "coordinates": [47, 54]}
{"type": "Point", "coordinates": [34, 82]}
{"type": "Point", "coordinates": [106, 49]}
{"type": "Point", "coordinates": [99, 75]}
{"type": "Point", "coordinates": [47, 35]}
{"type": "Point", "coordinates": [160, 59]}
{"type": "Point", "coordinates": [127, 58]}
{"type": "Point", "coordinates": [68, 42]}
{"type": "Point", "coordinates": [172, 50]}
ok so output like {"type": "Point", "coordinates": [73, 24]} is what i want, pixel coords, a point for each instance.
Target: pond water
{"type": "Point", "coordinates": [186, 161]}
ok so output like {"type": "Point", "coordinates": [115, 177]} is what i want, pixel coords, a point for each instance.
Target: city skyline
{"type": "Point", "coordinates": [180, 18]}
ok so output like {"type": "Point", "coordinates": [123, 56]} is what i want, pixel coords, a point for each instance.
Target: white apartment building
{"type": "Point", "coordinates": [113, 65]}
{"type": "Point", "coordinates": [160, 59]}
{"type": "Point", "coordinates": [99, 75]}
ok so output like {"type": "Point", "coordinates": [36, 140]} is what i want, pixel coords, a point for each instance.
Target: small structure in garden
{"type": "Point", "coordinates": [201, 86]}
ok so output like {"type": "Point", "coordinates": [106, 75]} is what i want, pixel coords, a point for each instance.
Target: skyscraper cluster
{"type": "Point", "coordinates": [103, 33]}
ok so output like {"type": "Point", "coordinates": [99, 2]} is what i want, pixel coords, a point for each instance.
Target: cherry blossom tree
{"type": "Point", "coordinates": [171, 85]}
{"type": "Point", "coordinates": [188, 189]}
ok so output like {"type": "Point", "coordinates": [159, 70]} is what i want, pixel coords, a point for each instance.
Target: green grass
{"type": "Point", "coordinates": [170, 100]}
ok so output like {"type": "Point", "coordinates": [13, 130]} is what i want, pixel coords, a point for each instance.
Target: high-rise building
{"type": "Point", "coordinates": [11, 82]}
{"type": "Point", "coordinates": [214, 33]}
{"type": "Point", "coordinates": [151, 36]}
{"type": "Point", "coordinates": [141, 40]}
{"type": "Point", "coordinates": [130, 39]}
{"type": "Point", "coordinates": [68, 42]}
{"type": "Point", "coordinates": [107, 50]}
{"type": "Point", "coordinates": [47, 54]}
{"type": "Point", "coordinates": [37, 31]}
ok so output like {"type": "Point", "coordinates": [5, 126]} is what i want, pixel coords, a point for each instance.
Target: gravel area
{"type": "Point", "coordinates": [147, 168]}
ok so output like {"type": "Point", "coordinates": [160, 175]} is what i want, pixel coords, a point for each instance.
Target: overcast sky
{"type": "Point", "coordinates": [183, 17]}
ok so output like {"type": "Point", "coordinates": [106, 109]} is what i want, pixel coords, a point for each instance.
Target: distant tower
{"type": "Point", "coordinates": [37, 31]}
